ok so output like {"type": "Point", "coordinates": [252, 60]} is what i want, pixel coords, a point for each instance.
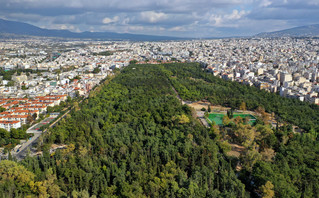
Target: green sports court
{"type": "Point", "coordinates": [218, 118]}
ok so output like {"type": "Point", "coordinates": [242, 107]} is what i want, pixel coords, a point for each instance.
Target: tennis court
{"type": "Point", "coordinates": [218, 118]}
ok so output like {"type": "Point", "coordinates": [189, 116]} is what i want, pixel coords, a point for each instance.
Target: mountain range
{"type": "Point", "coordinates": [13, 29]}
{"type": "Point", "coordinates": [302, 31]}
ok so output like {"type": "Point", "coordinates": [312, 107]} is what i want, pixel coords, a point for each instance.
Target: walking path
{"type": "Point", "coordinates": [199, 113]}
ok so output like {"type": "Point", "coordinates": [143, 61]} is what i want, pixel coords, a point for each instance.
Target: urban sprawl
{"type": "Point", "coordinates": [46, 72]}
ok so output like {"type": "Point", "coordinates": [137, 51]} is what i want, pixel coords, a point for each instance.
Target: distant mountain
{"type": "Point", "coordinates": [303, 31]}
{"type": "Point", "coordinates": [19, 28]}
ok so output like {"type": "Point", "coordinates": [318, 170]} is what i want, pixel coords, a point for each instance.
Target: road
{"type": "Point", "coordinates": [29, 145]}
{"type": "Point", "coordinates": [22, 152]}
{"type": "Point", "coordinates": [200, 114]}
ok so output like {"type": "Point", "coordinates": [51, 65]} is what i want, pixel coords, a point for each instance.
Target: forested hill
{"type": "Point", "coordinates": [132, 139]}
{"type": "Point", "coordinates": [193, 83]}
{"type": "Point", "coordinates": [276, 162]}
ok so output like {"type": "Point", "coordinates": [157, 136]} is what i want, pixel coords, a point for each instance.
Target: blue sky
{"type": "Point", "coordinates": [184, 18]}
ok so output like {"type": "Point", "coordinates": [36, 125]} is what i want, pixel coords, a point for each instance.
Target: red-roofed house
{"type": "Point", "coordinates": [8, 125]}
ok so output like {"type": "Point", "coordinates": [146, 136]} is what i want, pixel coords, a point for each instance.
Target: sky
{"type": "Point", "coordinates": [181, 18]}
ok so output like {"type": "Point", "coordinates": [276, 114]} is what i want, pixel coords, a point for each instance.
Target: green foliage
{"type": "Point", "coordinates": [23, 87]}
{"type": "Point", "coordinates": [267, 190]}
{"type": "Point", "coordinates": [96, 70]}
{"type": "Point", "coordinates": [10, 83]}
{"type": "Point", "coordinates": [76, 78]}
{"type": "Point", "coordinates": [133, 62]}
{"type": "Point", "coordinates": [7, 75]}
{"type": "Point", "coordinates": [12, 138]}
{"type": "Point", "coordinates": [17, 181]}
{"type": "Point", "coordinates": [104, 53]}
{"type": "Point", "coordinates": [286, 160]}
{"type": "Point", "coordinates": [192, 83]}
{"type": "Point", "coordinates": [133, 138]}
{"type": "Point", "coordinates": [294, 171]}
{"type": "Point", "coordinates": [2, 109]}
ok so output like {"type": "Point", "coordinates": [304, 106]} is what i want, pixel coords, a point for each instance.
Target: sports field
{"type": "Point", "coordinates": [218, 117]}
{"type": "Point", "coordinates": [42, 123]}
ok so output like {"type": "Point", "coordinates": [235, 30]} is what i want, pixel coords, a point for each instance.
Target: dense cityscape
{"type": "Point", "coordinates": [288, 66]}
{"type": "Point", "coordinates": [72, 68]}
{"type": "Point", "coordinates": [44, 82]}
{"type": "Point", "coordinates": [152, 99]}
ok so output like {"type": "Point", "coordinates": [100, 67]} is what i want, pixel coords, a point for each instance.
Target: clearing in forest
{"type": "Point", "coordinates": [218, 118]}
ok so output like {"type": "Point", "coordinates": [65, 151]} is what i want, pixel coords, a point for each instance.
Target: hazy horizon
{"type": "Point", "coordinates": [196, 19]}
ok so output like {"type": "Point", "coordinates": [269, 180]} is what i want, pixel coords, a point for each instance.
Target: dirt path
{"type": "Point", "coordinates": [199, 113]}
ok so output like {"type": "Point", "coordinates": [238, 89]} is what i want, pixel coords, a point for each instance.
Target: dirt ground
{"type": "Point", "coordinates": [200, 104]}
{"type": "Point", "coordinates": [236, 150]}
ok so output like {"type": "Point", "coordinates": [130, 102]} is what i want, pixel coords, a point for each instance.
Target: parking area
{"type": "Point", "coordinates": [37, 127]}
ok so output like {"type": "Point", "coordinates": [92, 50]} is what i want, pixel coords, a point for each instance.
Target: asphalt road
{"type": "Point", "coordinates": [22, 152]}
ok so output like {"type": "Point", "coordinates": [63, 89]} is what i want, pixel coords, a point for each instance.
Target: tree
{"type": "Point", "coordinates": [263, 131]}
{"type": "Point", "coordinates": [16, 181]}
{"type": "Point", "coordinates": [265, 116]}
{"type": "Point", "coordinates": [242, 106]}
{"type": "Point", "coordinates": [267, 190]}
{"type": "Point", "coordinates": [69, 99]}
{"type": "Point", "coordinates": [41, 116]}
{"type": "Point", "coordinates": [4, 133]}
{"type": "Point", "coordinates": [313, 132]}
{"type": "Point", "coordinates": [230, 113]}
{"type": "Point", "coordinates": [250, 158]}
{"type": "Point", "coordinates": [10, 83]}
{"type": "Point", "coordinates": [77, 93]}
{"type": "Point", "coordinates": [226, 120]}
{"type": "Point", "coordinates": [14, 133]}
{"type": "Point", "coordinates": [23, 87]}
{"type": "Point", "coordinates": [15, 178]}
{"type": "Point", "coordinates": [96, 70]}
{"type": "Point", "coordinates": [214, 131]}
{"type": "Point", "coordinates": [226, 147]}
{"type": "Point", "coordinates": [34, 116]}
{"type": "Point", "coordinates": [49, 110]}
{"type": "Point", "coordinates": [245, 134]}
{"type": "Point", "coordinates": [133, 62]}
{"type": "Point", "coordinates": [2, 109]}
{"type": "Point", "coordinates": [238, 120]}
{"type": "Point", "coordinates": [206, 114]}
{"type": "Point", "coordinates": [268, 154]}
{"type": "Point", "coordinates": [183, 119]}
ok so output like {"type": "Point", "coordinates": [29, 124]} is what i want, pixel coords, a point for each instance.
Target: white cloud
{"type": "Point", "coordinates": [265, 3]}
{"type": "Point", "coordinates": [107, 20]}
{"type": "Point", "coordinates": [178, 29]}
{"type": "Point", "coordinates": [177, 17]}
{"type": "Point", "coordinates": [235, 15]}
{"type": "Point", "coordinates": [153, 17]}
{"type": "Point", "coordinates": [125, 21]}
{"type": "Point", "coordinates": [227, 20]}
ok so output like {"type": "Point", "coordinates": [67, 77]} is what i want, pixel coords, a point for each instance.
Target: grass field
{"type": "Point", "coordinates": [218, 117]}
